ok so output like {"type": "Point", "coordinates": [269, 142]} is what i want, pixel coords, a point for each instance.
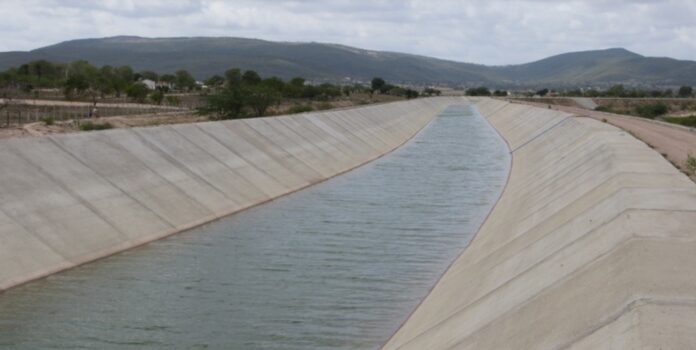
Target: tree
{"type": "Point", "coordinates": [263, 95]}
{"type": "Point", "coordinates": [41, 73]}
{"type": "Point", "coordinates": [168, 78]}
{"type": "Point", "coordinates": [685, 91]}
{"type": "Point", "coordinates": [233, 78]}
{"type": "Point", "coordinates": [215, 81]}
{"type": "Point", "coordinates": [106, 80]}
{"type": "Point", "coordinates": [82, 80]}
{"type": "Point", "coordinates": [542, 92]}
{"type": "Point", "coordinates": [617, 90]}
{"type": "Point", "coordinates": [137, 91]}
{"type": "Point", "coordinates": [184, 80]}
{"type": "Point", "coordinates": [297, 82]}
{"type": "Point", "coordinates": [295, 87]}
{"type": "Point", "coordinates": [229, 102]}
{"type": "Point", "coordinates": [123, 77]}
{"type": "Point", "coordinates": [250, 77]}
{"type": "Point", "coordinates": [377, 84]}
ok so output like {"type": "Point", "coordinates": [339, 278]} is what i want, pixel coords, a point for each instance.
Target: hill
{"type": "Point", "coordinates": [206, 56]}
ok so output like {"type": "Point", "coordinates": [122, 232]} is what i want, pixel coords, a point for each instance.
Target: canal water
{"type": "Point", "coordinates": [336, 266]}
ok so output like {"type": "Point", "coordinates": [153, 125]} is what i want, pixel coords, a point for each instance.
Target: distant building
{"type": "Point", "coordinates": [149, 83]}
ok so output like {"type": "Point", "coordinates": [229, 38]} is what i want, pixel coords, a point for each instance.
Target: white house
{"type": "Point", "coordinates": [149, 83]}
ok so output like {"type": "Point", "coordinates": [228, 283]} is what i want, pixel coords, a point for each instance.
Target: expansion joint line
{"type": "Point", "coordinates": [541, 133]}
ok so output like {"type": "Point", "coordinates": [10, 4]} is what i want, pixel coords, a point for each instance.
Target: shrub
{"type": "Point", "coordinates": [300, 108]}
{"type": "Point", "coordinates": [48, 120]}
{"type": "Point", "coordinates": [479, 91]}
{"type": "Point", "coordinates": [652, 110]}
{"type": "Point", "coordinates": [603, 109]}
{"type": "Point", "coordinates": [89, 126]}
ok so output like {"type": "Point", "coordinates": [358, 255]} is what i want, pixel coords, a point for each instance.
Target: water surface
{"type": "Point", "coordinates": [336, 266]}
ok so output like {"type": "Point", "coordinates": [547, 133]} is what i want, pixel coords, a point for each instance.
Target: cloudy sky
{"type": "Point", "coordinates": [489, 32]}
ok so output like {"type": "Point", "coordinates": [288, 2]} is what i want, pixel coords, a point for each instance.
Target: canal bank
{"type": "Point", "coordinates": [70, 199]}
{"type": "Point", "coordinates": [590, 246]}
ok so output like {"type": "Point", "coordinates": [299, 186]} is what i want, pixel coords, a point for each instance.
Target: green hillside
{"type": "Point", "coordinates": [206, 56]}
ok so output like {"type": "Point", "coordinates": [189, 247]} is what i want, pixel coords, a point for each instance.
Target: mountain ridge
{"type": "Point", "coordinates": [206, 56]}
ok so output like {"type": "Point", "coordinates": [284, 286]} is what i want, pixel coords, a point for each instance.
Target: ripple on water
{"type": "Point", "coordinates": [336, 266]}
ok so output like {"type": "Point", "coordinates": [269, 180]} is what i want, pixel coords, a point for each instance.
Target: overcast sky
{"type": "Point", "coordinates": [489, 32]}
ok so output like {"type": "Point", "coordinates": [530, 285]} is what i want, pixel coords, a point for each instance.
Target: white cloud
{"type": "Point", "coordinates": [491, 32]}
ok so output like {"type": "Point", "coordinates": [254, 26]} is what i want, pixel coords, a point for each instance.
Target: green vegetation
{"type": "Point", "coordinates": [48, 120]}
{"type": "Point", "coordinates": [381, 86]}
{"type": "Point", "coordinates": [479, 91]}
{"type": "Point", "coordinates": [691, 164]}
{"type": "Point", "coordinates": [137, 92]}
{"type": "Point", "coordinates": [300, 108]}
{"type": "Point", "coordinates": [90, 126]}
{"type": "Point", "coordinates": [205, 57]}
{"type": "Point", "coordinates": [81, 80]}
{"type": "Point", "coordinates": [652, 110]}
{"type": "Point", "coordinates": [686, 121]}
{"type": "Point", "coordinates": [685, 91]}
{"type": "Point", "coordinates": [247, 94]}
{"type": "Point", "coordinates": [606, 109]}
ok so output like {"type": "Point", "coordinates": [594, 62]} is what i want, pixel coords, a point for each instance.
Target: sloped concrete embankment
{"type": "Point", "coordinates": [69, 199]}
{"type": "Point", "coordinates": [591, 245]}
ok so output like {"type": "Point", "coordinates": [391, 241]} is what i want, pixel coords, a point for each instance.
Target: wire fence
{"type": "Point", "coordinates": [13, 115]}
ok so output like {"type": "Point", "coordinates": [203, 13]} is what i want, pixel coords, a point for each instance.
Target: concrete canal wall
{"type": "Point", "coordinates": [592, 245]}
{"type": "Point", "coordinates": [69, 199]}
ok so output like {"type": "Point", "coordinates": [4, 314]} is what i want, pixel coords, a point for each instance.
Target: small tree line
{"type": "Point", "coordinates": [246, 94]}
{"type": "Point", "coordinates": [80, 79]}
{"type": "Point", "coordinates": [617, 90]}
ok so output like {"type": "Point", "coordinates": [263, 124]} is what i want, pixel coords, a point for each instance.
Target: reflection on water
{"type": "Point", "coordinates": [336, 266]}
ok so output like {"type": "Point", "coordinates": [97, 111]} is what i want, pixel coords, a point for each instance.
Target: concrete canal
{"type": "Point", "coordinates": [336, 266]}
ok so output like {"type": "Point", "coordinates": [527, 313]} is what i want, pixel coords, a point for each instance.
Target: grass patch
{"type": "Point", "coordinates": [89, 126]}
{"type": "Point", "coordinates": [686, 121]}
